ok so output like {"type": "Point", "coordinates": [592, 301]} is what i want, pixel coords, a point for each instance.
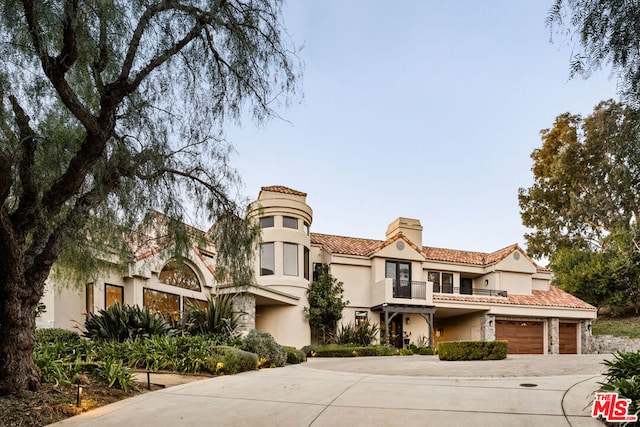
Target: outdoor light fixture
{"type": "Point", "coordinates": [490, 322]}
{"type": "Point", "coordinates": [79, 396]}
{"type": "Point", "coordinates": [408, 320]}
{"type": "Point", "coordinates": [486, 282]}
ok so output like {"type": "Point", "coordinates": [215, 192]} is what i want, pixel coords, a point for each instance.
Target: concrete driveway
{"type": "Point", "coordinates": [554, 390]}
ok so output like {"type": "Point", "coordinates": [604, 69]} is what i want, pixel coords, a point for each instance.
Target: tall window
{"type": "Point", "coordinates": [400, 272]}
{"type": "Point", "coordinates": [267, 260]}
{"type": "Point", "coordinates": [89, 298]}
{"type": "Point", "coordinates": [289, 222]}
{"type": "Point", "coordinates": [290, 259]}
{"type": "Point", "coordinates": [305, 228]}
{"type": "Point", "coordinates": [266, 222]}
{"type": "Point", "coordinates": [306, 263]}
{"type": "Point", "coordinates": [178, 275]}
{"type": "Point", "coordinates": [113, 294]}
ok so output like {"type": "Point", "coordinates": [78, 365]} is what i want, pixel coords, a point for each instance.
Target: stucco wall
{"type": "Point", "coordinates": [515, 283]}
{"type": "Point", "coordinates": [287, 324]}
{"type": "Point", "coordinates": [465, 327]}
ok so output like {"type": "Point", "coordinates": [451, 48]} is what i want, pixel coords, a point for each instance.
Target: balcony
{"type": "Point", "coordinates": [401, 292]}
{"type": "Point", "coordinates": [448, 289]}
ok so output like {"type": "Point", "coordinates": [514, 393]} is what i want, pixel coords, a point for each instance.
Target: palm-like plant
{"type": "Point", "coordinates": [216, 318]}
{"type": "Point", "coordinates": [123, 322]}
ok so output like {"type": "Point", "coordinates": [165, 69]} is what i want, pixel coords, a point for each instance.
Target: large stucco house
{"type": "Point", "coordinates": [409, 289]}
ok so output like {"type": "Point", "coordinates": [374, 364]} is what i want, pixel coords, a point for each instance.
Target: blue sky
{"type": "Point", "coordinates": [422, 109]}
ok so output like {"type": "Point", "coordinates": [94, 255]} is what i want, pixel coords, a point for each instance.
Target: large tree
{"type": "Point", "coordinates": [586, 180]}
{"type": "Point", "coordinates": [604, 32]}
{"type": "Point", "coordinates": [109, 108]}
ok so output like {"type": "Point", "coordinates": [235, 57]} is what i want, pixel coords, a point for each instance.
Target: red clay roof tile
{"type": "Point", "coordinates": [554, 297]}
{"type": "Point", "coordinates": [282, 189]}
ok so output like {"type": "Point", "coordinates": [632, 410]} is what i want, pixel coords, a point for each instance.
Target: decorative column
{"type": "Point", "coordinates": [244, 305]}
{"type": "Point", "coordinates": [554, 335]}
{"type": "Point", "coordinates": [488, 327]}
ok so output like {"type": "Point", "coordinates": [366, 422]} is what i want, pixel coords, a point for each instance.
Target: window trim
{"type": "Point", "coordinates": [306, 257]}
{"type": "Point", "coordinates": [89, 297]}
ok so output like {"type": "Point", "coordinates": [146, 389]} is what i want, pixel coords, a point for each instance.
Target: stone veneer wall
{"type": "Point", "coordinates": [604, 344]}
{"type": "Point", "coordinates": [245, 306]}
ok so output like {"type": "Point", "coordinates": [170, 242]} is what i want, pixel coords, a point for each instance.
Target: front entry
{"type": "Point", "coordinates": [394, 331]}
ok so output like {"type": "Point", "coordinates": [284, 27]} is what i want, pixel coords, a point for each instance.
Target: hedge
{"type": "Point", "coordinates": [335, 350]}
{"type": "Point", "coordinates": [472, 350]}
{"type": "Point", "coordinates": [295, 356]}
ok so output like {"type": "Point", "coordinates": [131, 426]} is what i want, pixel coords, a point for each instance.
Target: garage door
{"type": "Point", "coordinates": [525, 337]}
{"type": "Point", "coordinates": [568, 338]}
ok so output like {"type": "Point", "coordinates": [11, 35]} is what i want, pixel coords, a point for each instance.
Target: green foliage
{"type": "Point", "coordinates": [425, 351]}
{"type": "Point", "coordinates": [295, 356]}
{"type": "Point", "coordinates": [363, 334]}
{"type": "Point", "coordinates": [606, 33]}
{"type": "Point", "coordinates": [44, 335]}
{"type": "Point", "coordinates": [268, 350]}
{"type": "Point", "coordinates": [216, 319]}
{"type": "Point", "coordinates": [472, 350]}
{"type": "Point", "coordinates": [337, 350]}
{"type": "Point", "coordinates": [115, 374]}
{"type": "Point", "coordinates": [231, 360]}
{"type": "Point", "coordinates": [405, 352]}
{"type": "Point", "coordinates": [623, 377]}
{"type": "Point", "coordinates": [121, 323]}
{"type": "Point", "coordinates": [325, 304]}
{"type": "Point", "coordinates": [619, 327]}
{"type": "Point", "coordinates": [585, 180]}
{"type": "Point", "coordinates": [607, 278]}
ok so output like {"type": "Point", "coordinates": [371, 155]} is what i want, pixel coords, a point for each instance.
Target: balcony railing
{"type": "Point", "coordinates": [409, 289]}
{"type": "Point", "coordinates": [448, 289]}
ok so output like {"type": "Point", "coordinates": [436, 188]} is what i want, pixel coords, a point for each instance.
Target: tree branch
{"type": "Point", "coordinates": [69, 52]}
{"type": "Point", "coordinates": [56, 71]}
{"type": "Point", "coordinates": [24, 216]}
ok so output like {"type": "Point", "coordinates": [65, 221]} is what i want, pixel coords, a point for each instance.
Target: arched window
{"type": "Point", "coordinates": [178, 275]}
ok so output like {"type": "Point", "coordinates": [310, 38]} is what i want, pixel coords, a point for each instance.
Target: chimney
{"type": "Point", "coordinates": [409, 227]}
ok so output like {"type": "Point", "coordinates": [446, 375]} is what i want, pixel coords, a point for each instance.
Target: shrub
{"type": "Point", "coordinates": [425, 351]}
{"type": "Point", "coordinates": [56, 335]}
{"type": "Point", "coordinates": [336, 350]}
{"type": "Point", "coordinates": [472, 350]}
{"type": "Point", "coordinates": [295, 356]}
{"type": "Point", "coordinates": [230, 360]}
{"type": "Point", "coordinates": [267, 349]}
{"type": "Point", "coordinates": [405, 352]}
{"type": "Point", "coordinates": [363, 334]}
{"type": "Point", "coordinates": [124, 322]}
{"type": "Point", "coordinates": [217, 319]}
{"type": "Point", "coordinates": [623, 366]}
{"type": "Point", "coordinates": [116, 374]}
{"type": "Point", "coordinates": [310, 350]}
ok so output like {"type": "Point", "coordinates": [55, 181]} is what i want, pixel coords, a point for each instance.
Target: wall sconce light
{"type": "Point", "coordinates": [407, 320]}
{"type": "Point", "coordinates": [439, 332]}
{"type": "Point", "coordinates": [490, 322]}
{"type": "Point", "coordinates": [486, 282]}
{"type": "Point", "coordinates": [79, 397]}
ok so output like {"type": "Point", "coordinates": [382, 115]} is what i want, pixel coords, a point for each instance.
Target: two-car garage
{"type": "Point", "coordinates": [527, 336]}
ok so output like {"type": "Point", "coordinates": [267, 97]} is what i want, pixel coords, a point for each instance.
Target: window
{"type": "Point", "coordinates": [267, 260]}
{"type": "Point", "coordinates": [113, 294]}
{"type": "Point", "coordinates": [178, 275]}
{"type": "Point", "coordinates": [306, 263]}
{"type": "Point", "coordinates": [163, 303]}
{"type": "Point", "coordinates": [361, 316]}
{"type": "Point", "coordinates": [400, 272]}
{"type": "Point", "coordinates": [289, 222]}
{"type": "Point", "coordinates": [442, 282]}
{"type": "Point", "coordinates": [290, 259]}
{"type": "Point", "coordinates": [89, 298]}
{"type": "Point", "coordinates": [305, 228]}
{"type": "Point", "coordinates": [266, 222]}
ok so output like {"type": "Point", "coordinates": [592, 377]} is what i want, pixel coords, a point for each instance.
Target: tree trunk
{"type": "Point", "coordinates": [17, 340]}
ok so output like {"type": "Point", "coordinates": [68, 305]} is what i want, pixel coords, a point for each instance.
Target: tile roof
{"type": "Point", "coordinates": [364, 247]}
{"type": "Point", "coordinates": [282, 189]}
{"type": "Point", "coordinates": [554, 297]}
